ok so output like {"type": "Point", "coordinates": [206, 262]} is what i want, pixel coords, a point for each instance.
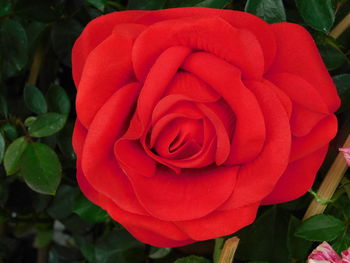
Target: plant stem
{"type": "Point", "coordinates": [341, 27]}
{"type": "Point", "coordinates": [329, 184]}
{"type": "Point", "coordinates": [229, 250]}
{"type": "Point", "coordinates": [36, 64]}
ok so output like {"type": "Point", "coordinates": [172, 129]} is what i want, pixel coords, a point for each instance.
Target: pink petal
{"type": "Point", "coordinates": [346, 254]}
{"type": "Point", "coordinates": [324, 253]}
{"type": "Point", "coordinates": [346, 152]}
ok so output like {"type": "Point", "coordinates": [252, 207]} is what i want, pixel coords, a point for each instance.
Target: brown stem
{"type": "Point", "coordinates": [43, 254]}
{"type": "Point", "coordinates": [341, 27]}
{"type": "Point", "coordinates": [329, 183]}
{"type": "Point", "coordinates": [229, 250]}
{"type": "Point", "coordinates": [36, 64]}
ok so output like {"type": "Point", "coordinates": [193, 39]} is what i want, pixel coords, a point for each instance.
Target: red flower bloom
{"type": "Point", "coordinates": [189, 119]}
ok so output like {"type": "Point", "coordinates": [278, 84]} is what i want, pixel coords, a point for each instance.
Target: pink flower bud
{"type": "Point", "coordinates": [346, 256]}
{"type": "Point", "coordinates": [324, 253]}
{"type": "Point", "coordinates": [346, 152]}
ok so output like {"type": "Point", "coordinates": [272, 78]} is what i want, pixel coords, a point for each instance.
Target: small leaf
{"type": "Point", "coordinates": [28, 121]}
{"type": "Point", "coordinates": [2, 147]}
{"type": "Point", "coordinates": [34, 99]}
{"type": "Point", "coordinates": [63, 202]}
{"type": "Point", "coordinates": [58, 99]}
{"type": "Point", "coordinates": [3, 107]}
{"type": "Point", "coordinates": [10, 131]}
{"type": "Point", "coordinates": [192, 259]}
{"type": "Point", "coordinates": [89, 211]}
{"type": "Point", "coordinates": [159, 252]}
{"type": "Point", "coordinates": [5, 7]}
{"type": "Point", "coordinates": [332, 57]}
{"type": "Point", "coordinates": [320, 228]}
{"type": "Point", "coordinates": [319, 14]}
{"type": "Point", "coordinates": [41, 168]}
{"type": "Point", "coordinates": [43, 238]}
{"type": "Point", "coordinates": [297, 247]}
{"type": "Point", "coordinates": [13, 155]}
{"type": "Point", "coordinates": [47, 124]}
{"type": "Point", "coordinates": [14, 47]}
{"type": "Point", "coordinates": [99, 4]}
{"type": "Point", "coordinates": [342, 83]}
{"type": "Point", "coordinates": [271, 11]}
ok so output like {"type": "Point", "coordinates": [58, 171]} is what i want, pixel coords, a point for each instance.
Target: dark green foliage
{"type": "Point", "coordinates": [41, 206]}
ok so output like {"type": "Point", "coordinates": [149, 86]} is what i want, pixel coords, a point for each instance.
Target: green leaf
{"type": "Point", "coordinates": [41, 168]}
{"type": "Point", "coordinates": [5, 7]}
{"type": "Point", "coordinates": [192, 259]}
{"type": "Point", "coordinates": [34, 99]}
{"type": "Point", "coordinates": [266, 238]}
{"type": "Point", "coordinates": [2, 147]}
{"type": "Point", "coordinates": [14, 47]}
{"type": "Point", "coordinates": [320, 228]}
{"type": "Point", "coordinates": [88, 211]}
{"type": "Point", "coordinates": [341, 243]}
{"type": "Point", "coordinates": [63, 202]}
{"type": "Point", "coordinates": [159, 252]}
{"type": "Point", "coordinates": [9, 131]}
{"type": "Point", "coordinates": [298, 247]}
{"type": "Point", "coordinates": [146, 4]}
{"type": "Point", "coordinates": [13, 155]}
{"type": "Point", "coordinates": [3, 107]}
{"type": "Point", "coordinates": [271, 11]}
{"type": "Point", "coordinates": [202, 3]}
{"type": "Point", "coordinates": [119, 246]}
{"type": "Point", "coordinates": [58, 99]}
{"type": "Point", "coordinates": [99, 4]}
{"type": "Point", "coordinates": [63, 36]}
{"type": "Point", "coordinates": [332, 57]}
{"type": "Point", "coordinates": [342, 83]}
{"type": "Point", "coordinates": [47, 124]}
{"type": "Point", "coordinates": [28, 121]}
{"type": "Point", "coordinates": [319, 14]}
{"type": "Point", "coordinates": [37, 10]}
{"type": "Point", "coordinates": [43, 238]}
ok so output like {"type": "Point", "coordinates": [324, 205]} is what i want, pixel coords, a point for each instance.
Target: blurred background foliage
{"type": "Point", "coordinates": [43, 215]}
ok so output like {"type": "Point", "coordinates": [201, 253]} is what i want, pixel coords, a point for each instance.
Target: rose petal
{"type": "Point", "coordinates": [318, 137]}
{"type": "Point", "coordinates": [258, 178]}
{"type": "Point", "coordinates": [249, 135]}
{"type": "Point", "coordinates": [324, 253]}
{"type": "Point", "coordinates": [98, 162]}
{"type": "Point", "coordinates": [220, 223]}
{"type": "Point", "coordinates": [148, 229]}
{"type": "Point", "coordinates": [297, 54]}
{"type": "Point", "coordinates": [117, 71]}
{"type": "Point", "coordinates": [212, 34]}
{"type": "Point", "coordinates": [297, 179]}
{"type": "Point", "coordinates": [190, 86]}
{"type": "Point", "coordinates": [192, 194]}
{"type": "Point", "coordinates": [96, 32]}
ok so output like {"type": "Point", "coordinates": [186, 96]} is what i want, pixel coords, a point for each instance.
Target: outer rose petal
{"type": "Point", "coordinates": [192, 194]}
{"type": "Point", "coordinates": [98, 162]}
{"type": "Point", "coordinates": [324, 253]}
{"type": "Point", "coordinates": [297, 179]}
{"type": "Point", "coordinates": [258, 178]}
{"type": "Point", "coordinates": [117, 71]}
{"type": "Point", "coordinates": [96, 32]}
{"type": "Point", "coordinates": [221, 223]}
{"type": "Point", "coordinates": [147, 228]}
{"type": "Point", "coordinates": [298, 54]}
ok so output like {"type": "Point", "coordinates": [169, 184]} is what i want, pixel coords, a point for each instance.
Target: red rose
{"type": "Point", "coordinates": [189, 119]}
